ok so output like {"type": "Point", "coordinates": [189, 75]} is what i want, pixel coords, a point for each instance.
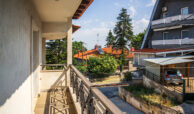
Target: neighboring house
{"type": "Point", "coordinates": [168, 42]}
{"type": "Point", "coordinates": [170, 31]}
{"type": "Point", "coordinates": [24, 27]}
{"type": "Point", "coordinates": [98, 52]}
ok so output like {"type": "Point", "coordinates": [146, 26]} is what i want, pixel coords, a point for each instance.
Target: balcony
{"type": "Point", "coordinates": [186, 41]}
{"type": "Point", "coordinates": [71, 95]}
{"type": "Point", "coordinates": [173, 19]}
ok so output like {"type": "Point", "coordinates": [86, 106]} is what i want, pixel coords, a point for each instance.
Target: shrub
{"type": "Point", "coordinates": [101, 67]}
{"type": "Point", "coordinates": [128, 76]}
{"type": "Point", "coordinates": [82, 69]}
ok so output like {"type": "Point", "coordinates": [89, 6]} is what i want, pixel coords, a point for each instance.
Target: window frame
{"type": "Point", "coordinates": [182, 10]}
{"type": "Point", "coordinates": [182, 33]}
{"type": "Point", "coordinates": [163, 35]}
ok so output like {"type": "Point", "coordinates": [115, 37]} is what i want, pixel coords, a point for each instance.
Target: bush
{"type": "Point", "coordinates": [82, 69]}
{"type": "Point", "coordinates": [128, 76]}
{"type": "Point", "coordinates": [101, 67]}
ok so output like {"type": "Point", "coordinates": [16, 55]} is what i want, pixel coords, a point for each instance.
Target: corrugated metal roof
{"type": "Point", "coordinates": [171, 60]}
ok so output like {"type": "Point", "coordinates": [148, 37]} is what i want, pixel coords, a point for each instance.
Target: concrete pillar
{"type": "Point", "coordinates": [43, 51]}
{"type": "Point", "coordinates": [69, 53]}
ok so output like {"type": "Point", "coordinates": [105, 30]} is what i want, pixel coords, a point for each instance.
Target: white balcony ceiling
{"type": "Point", "coordinates": [56, 10]}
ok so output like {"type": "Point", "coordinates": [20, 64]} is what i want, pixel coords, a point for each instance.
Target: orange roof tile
{"type": "Point", "coordinates": [95, 53]}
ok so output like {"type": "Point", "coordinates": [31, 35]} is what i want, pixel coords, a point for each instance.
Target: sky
{"type": "Point", "coordinates": [101, 17]}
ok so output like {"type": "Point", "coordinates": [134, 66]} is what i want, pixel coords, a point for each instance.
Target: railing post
{"type": "Point", "coordinates": [183, 90]}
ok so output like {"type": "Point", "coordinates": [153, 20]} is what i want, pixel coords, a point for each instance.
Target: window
{"type": "Point", "coordinates": [185, 11]}
{"type": "Point", "coordinates": [165, 35]}
{"type": "Point", "coordinates": [185, 34]}
{"type": "Point", "coordinates": [165, 15]}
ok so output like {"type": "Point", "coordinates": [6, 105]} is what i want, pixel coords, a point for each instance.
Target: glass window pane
{"type": "Point", "coordinates": [166, 36]}
{"type": "Point", "coordinates": [184, 11]}
{"type": "Point", "coordinates": [185, 34]}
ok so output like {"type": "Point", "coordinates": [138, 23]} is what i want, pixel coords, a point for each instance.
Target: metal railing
{"type": "Point", "coordinates": [172, 19]}
{"type": "Point", "coordinates": [91, 99]}
{"type": "Point", "coordinates": [173, 41]}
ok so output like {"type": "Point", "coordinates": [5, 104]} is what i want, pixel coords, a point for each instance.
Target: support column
{"type": "Point", "coordinates": [43, 51]}
{"type": "Point", "coordinates": [69, 54]}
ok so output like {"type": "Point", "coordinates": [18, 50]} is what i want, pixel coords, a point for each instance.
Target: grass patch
{"type": "Point", "coordinates": [151, 97]}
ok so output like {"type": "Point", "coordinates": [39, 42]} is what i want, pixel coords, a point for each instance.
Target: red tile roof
{"type": "Point", "coordinates": [75, 28]}
{"type": "Point", "coordinates": [95, 53]}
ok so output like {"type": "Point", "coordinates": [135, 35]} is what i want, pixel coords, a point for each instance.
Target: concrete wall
{"type": "Point", "coordinates": [48, 79]}
{"type": "Point", "coordinates": [138, 59]}
{"type": "Point", "coordinates": [153, 68]}
{"type": "Point", "coordinates": [15, 66]}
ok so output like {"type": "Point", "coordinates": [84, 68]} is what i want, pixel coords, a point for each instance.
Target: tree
{"type": "Point", "coordinates": [56, 51]}
{"type": "Point", "coordinates": [76, 47]}
{"type": "Point", "coordinates": [137, 40]}
{"type": "Point", "coordinates": [124, 34]}
{"type": "Point", "coordinates": [110, 39]}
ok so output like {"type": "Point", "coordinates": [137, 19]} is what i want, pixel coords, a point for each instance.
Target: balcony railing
{"type": "Point", "coordinates": [174, 42]}
{"type": "Point", "coordinates": [173, 19]}
{"type": "Point", "coordinates": [92, 100]}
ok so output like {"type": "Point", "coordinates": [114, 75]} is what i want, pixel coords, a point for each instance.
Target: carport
{"type": "Point", "coordinates": [157, 66]}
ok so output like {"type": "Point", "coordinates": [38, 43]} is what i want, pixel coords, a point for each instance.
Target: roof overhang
{"type": "Point", "coordinates": [56, 16]}
{"type": "Point", "coordinates": [75, 28]}
{"type": "Point", "coordinates": [171, 60]}
{"type": "Point", "coordinates": [82, 8]}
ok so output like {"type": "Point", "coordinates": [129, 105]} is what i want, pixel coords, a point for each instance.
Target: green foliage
{"type": "Point", "coordinates": [76, 47]}
{"type": "Point", "coordinates": [101, 67]}
{"type": "Point", "coordinates": [124, 33]}
{"type": "Point", "coordinates": [128, 76]}
{"type": "Point", "coordinates": [123, 30]}
{"type": "Point", "coordinates": [56, 51]}
{"type": "Point", "coordinates": [110, 40]}
{"type": "Point", "coordinates": [137, 40]}
{"type": "Point", "coordinates": [82, 69]}
{"type": "Point", "coordinates": [150, 96]}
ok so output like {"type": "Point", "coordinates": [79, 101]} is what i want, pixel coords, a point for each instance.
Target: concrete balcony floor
{"type": "Point", "coordinates": [56, 101]}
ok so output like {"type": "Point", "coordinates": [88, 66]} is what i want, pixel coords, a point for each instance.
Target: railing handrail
{"type": "Point", "coordinates": [173, 41]}
{"type": "Point", "coordinates": [98, 94]}
{"type": "Point", "coordinates": [81, 76]}
{"type": "Point", "coordinates": [172, 18]}
{"type": "Point", "coordinates": [53, 65]}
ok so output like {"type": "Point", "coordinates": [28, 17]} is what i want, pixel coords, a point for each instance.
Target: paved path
{"type": "Point", "coordinates": [112, 94]}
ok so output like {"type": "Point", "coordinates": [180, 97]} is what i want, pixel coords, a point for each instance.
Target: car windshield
{"type": "Point", "coordinates": [172, 72]}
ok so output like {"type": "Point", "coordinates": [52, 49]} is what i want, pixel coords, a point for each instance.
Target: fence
{"type": "Point", "coordinates": [92, 101]}
{"type": "Point", "coordinates": [188, 89]}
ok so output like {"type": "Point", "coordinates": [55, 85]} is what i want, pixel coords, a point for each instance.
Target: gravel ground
{"type": "Point", "coordinates": [112, 94]}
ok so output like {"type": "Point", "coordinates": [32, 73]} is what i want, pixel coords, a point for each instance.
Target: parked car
{"type": "Point", "coordinates": [173, 76]}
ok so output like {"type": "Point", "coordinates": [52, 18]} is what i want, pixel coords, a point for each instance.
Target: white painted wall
{"type": "Point", "coordinates": [48, 79]}
{"type": "Point", "coordinates": [15, 33]}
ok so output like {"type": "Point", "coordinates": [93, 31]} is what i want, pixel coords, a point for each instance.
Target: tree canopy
{"type": "Point", "coordinates": [124, 34]}
{"type": "Point", "coordinates": [137, 40]}
{"type": "Point", "coordinates": [123, 30]}
{"type": "Point", "coordinates": [56, 51]}
{"type": "Point", "coordinates": [110, 39]}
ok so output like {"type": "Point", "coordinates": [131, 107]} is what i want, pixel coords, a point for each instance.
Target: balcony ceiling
{"type": "Point", "coordinates": [56, 10]}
